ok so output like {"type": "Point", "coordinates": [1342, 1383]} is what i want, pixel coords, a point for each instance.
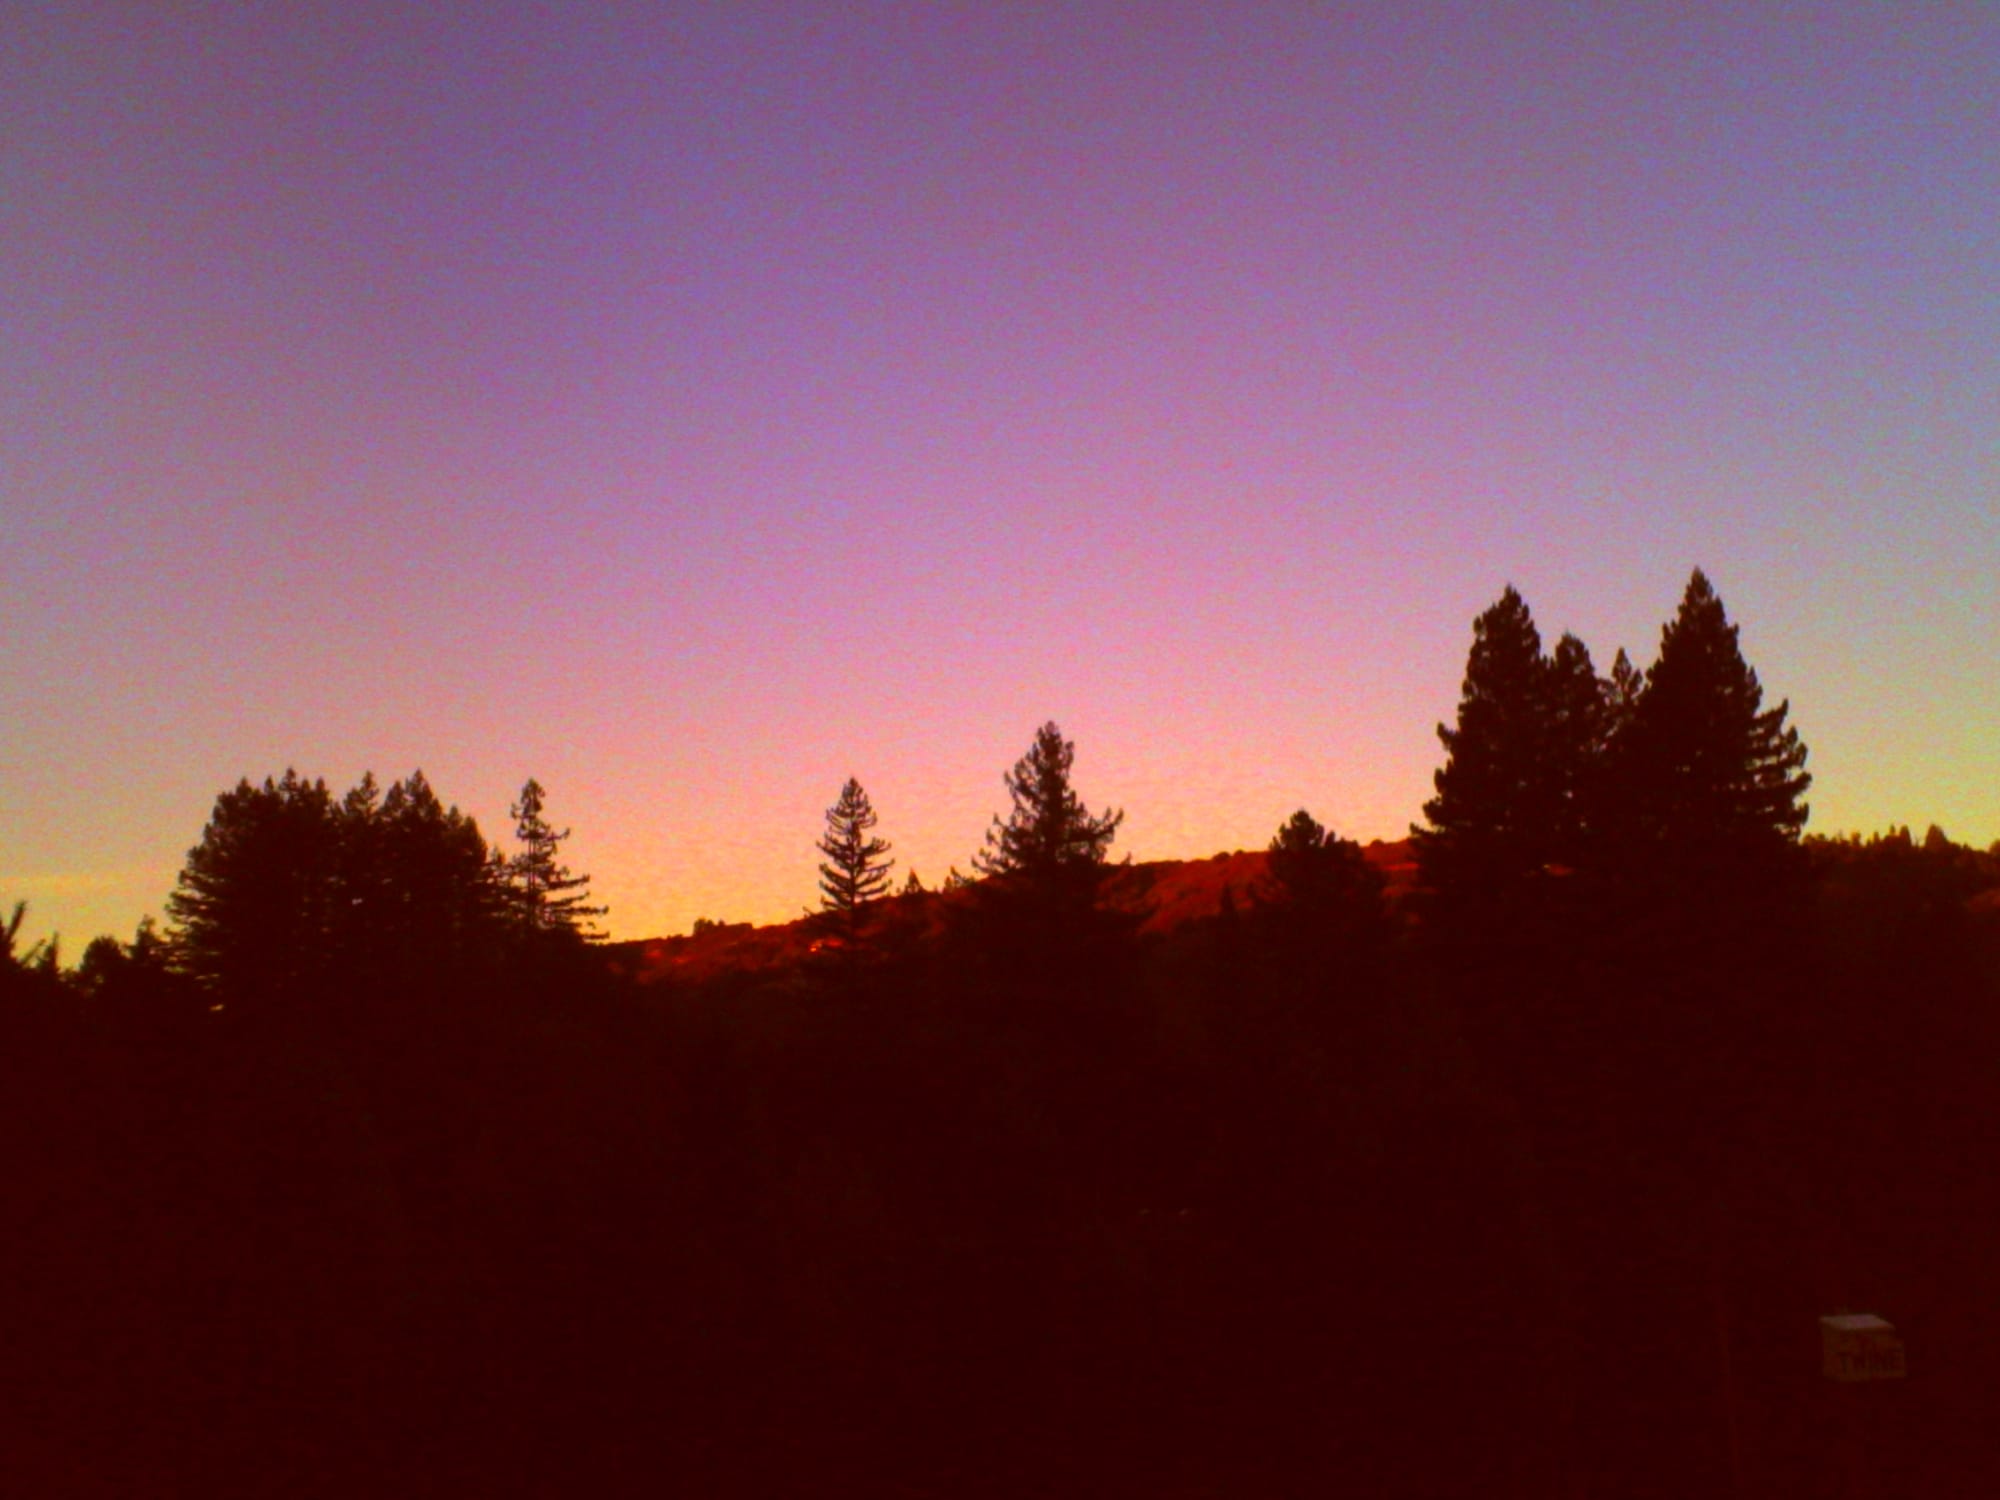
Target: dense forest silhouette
{"type": "Point", "coordinates": [1521, 1159]}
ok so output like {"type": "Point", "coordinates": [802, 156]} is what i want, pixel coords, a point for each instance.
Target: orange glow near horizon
{"type": "Point", "coordinates": [694, 411]}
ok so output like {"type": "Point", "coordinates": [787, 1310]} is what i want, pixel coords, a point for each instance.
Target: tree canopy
{"type": "Point", "coordinates": [1491, 819]}
{"type": "Point", "coordinates": [1049, 831]}
{"type": "Point", "coordinates": [547, 897]}
{"type": "Point", "coordinates": [856, 869]}
{"type": "Point", "coordinates": [1315, 870]}
{"type": "Point", "coordinates": [1552, 771]}
{"type": "Point", "coordinates": [252, 916]}
{"type": "Point", "coordinates": [292, 894]}
{"type": "Point", "coordinates": [1709, 772]}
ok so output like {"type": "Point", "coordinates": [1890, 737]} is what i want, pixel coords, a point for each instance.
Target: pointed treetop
{"type": "Point", "coordinates": [1311, 865]}
{"type": "Point", "coordinates": [1571, 654]}
{"type": "Point", "coordinates": [362, 798]}
{"type": "Point", "coordinates": [1049, 829]}
{"type": "Point", "coordinates": [1488, 787]}
{"type": "Point", "coordinates": [1327, 893]}
{"type": "Point", "coordinates": [1718, 768]}
{"type": "Point", "coordinates": [1622, 689]}
{"type": "Point", "coordinates": [856, 871]}
{"type": "Point", "coordinates": [547, 897]}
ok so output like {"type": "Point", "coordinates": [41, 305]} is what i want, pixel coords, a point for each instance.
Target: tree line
{"type": "Point", "coordinates": [371, 1172]}
{"type": "Point", "coordinates": [1551, 771]}
{"type": "Point", "coordinates": [1678, 777]}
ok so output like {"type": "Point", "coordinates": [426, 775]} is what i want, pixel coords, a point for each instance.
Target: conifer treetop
{"type": "Point", "coordinates": [856, 871]}
{"type": "Point", "coordinates": [1491, 797]}
{"type": "Point", "coordinates": [1049, 829]}
{"type": "Point", "coordinates": [1714, 766]}
{"type": "Point", "coordinates": [548, 897]}
{"type": "Point", "coordinates": [1314, 868]}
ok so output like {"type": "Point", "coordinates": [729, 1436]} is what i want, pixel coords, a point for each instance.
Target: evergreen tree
{"type": "Point", "coordinates": [856, 871]}
{"type": "Point", "coordinates": [546, 897]}
{"type": "Point", "coordinates": [291, 892]}
{"type": "Point", "coordinates": [1049, 835]}
{"type": "Point", "coordinates": [38, 957]}
{"type": "Point", "coordinates": [1315, 870]}
{"type": "Point", "coordinates": [105, 960]}
{"type": "Point", "coordinates": [1712, 777]}
{"type": "Point", "coordinates": [10, 933]}
{"type": "Point", "coordinates": [101, 965]}
{"type": "Point", "coordinates": [252, 914]}
{"type": "Point", "coordinates": [1621, 692]}
{"type": "Point", "coordinates": [1577, 720]}
{"type": "Point", "coordinates": [1491, 819]}
{"type": "Point", "coordinates": [30, 975]}
{"type": "Point", "coordinates": [1612, 816]}
{"type": "Point", "coordinates": [134, 983]}
{"type": "Point", "coordinates": [1327, 888]}
{"type": "Point", "coordinates": [1294, 852]}
{"type": "Point", "coordinates": [363, 902]}
{"type": "Point", "coordinates": [913, 886]}
{"type": "Point", "coordinates": [435, 900]}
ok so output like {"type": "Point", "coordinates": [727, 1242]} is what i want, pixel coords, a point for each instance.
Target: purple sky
{"type": "Point", "coordinates": [691, 406]}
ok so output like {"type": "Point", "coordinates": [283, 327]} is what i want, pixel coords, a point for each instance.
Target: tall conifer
{"type": "Point", "coordinates": [1711, 774]}
{"type": "Point", "coordinates": [1578, 718]}
{"type": "Point", "coordinates": [1621, 695]}
{"type": "Point", "coordinates": [434, 863]}
{"type": "Point", "coordinates": [1316, 870]}
{"type": "Point", "coordinates": [1327, 889]}
{"type": "Point", "coordinates": [547, 897]}
{"type": "Point", "coordinates": [252, 913]}
{"type": "Point", "coordinates": [1490, 819]}
{"type": "Point", "coordinates": [856, 871]}
{"type": "Point", "coordinates": [1049, 833]}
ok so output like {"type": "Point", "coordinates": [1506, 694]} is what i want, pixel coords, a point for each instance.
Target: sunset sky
{"type": "Point", "coordinates": [693, 405]}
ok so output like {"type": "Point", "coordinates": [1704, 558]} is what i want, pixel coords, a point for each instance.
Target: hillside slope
{"type": "Point", "coordinates": [1165, 894]}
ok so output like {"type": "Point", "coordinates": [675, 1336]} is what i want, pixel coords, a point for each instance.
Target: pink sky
{"type": "Point", "coordinates": [693, 406]}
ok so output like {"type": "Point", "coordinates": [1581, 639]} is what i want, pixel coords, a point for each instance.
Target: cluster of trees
{"type": "Point", "coordinates": [1727, 1043]}
{"type": "Point", "coordinates": [1049, 848]}
{"type": "Point", "coordinates": [1044, 861]}
{"type": "Point", "coordinates": [1677, 781]}
{"type": "Point", "coordinates": [369, 1173]}
{"type": "Point", "coordinates": [1671, 783]}
{"type": "Point", "coordinates": [1670, 786]}
{"type": "Point", "coordinates": [294, 893]}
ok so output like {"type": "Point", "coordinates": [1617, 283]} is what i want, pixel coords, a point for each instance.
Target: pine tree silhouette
{"type": "Point", "coordinates": [1315, 870]}
{"type": "Point", "coordinates": [1621, 695]}
{"type": "Point", "coordinates": [1490, 821]}
{"type": "Point", "coordinates": [1049, 833]}
{"type": "Point", "coordinates": [126, 976]}
{"type": "Point", "coordinates": [43, 956]}
{"type": "Point", "coordinates": [433, 882]}
{"type": "Point", "coordinates": [252, 915]}
{"type": "Point", "coordinates": [1711, 776]}
{"type": "Point", "coordinates": [1578, 719]}
{"type": "Point", "coordinates": [1329, 895]}
{"type": "Point", "coordinates": [547, 897]}
{"type": "Point", "coordinates": [856, 871]}
{"type": "Point", "coordinates": [31, 975]}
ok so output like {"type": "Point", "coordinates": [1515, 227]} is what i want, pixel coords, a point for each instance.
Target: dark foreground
{"type": "Point", "coordinates": [1233, 1212]}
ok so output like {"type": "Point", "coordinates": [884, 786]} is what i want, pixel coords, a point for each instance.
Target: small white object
{"type": "Point", "coordinates": [1860, 1346]}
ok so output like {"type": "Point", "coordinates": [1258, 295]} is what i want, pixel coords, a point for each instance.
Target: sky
{"type": "Point", "coordinates": [691, 406]}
